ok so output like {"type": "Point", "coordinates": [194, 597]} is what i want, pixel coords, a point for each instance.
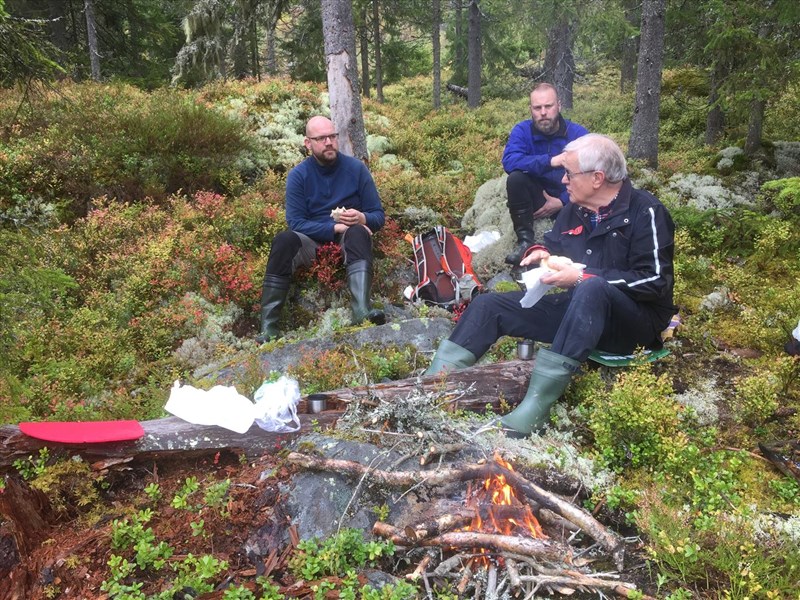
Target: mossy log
{"type": "Point", "coordinates": [470, 389]}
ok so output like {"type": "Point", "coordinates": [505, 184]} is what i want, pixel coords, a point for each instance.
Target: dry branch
{"type": "Point", "coordinates": [535, 547]}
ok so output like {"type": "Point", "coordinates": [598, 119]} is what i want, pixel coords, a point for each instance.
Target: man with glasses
{"type": "Point", "coordinates": [617, 285]}
{"type": "Point", "coordinates": [533, 159]}
{"type": "Point", "coordinates": [330, 197]}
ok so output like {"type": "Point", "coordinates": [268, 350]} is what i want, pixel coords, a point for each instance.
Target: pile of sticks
{"type": "Point", "coordinates": [487, 564]}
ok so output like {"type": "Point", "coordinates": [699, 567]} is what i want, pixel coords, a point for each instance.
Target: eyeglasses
{"type": "Point", "coordinates": [571, 175]}
{"type": "Point", "coordinates": [324, 138]}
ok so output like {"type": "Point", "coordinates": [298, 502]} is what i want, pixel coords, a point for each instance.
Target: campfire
{"type": "Point", "coordinates": [509, 536]}
{"type": "Point", "coordinates": [505, 513]}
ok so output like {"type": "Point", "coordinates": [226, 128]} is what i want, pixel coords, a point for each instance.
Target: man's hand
{"type": "Point", "coordinates": [534, 257]}
{"type": "Point", "coordinates": [351, 217]}
{"type": "Point", "coordinates": [558, 160]}
{"type": "Point", "coordinates": [563, 276]}
{"type": "Point", "coordinates": [348, 218]}
{"type": "Point", "coordinates": [551, 207]}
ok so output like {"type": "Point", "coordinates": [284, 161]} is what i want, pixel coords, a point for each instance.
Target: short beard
{"type": "Point", "coordinates": [553, 127]}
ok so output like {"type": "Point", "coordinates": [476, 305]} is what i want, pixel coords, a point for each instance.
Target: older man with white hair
{"type": "Point", "coordinates": [620, 299]}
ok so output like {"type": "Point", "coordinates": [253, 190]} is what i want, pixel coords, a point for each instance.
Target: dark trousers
{"type": "Point", "coordinates": [524, 192]}
{"type": "Point", "coordinates": [592, 315]}
{"type": "Point", "coordinates": [291, 250]}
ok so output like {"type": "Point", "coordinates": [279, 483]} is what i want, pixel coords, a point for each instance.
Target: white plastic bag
{"type": "Point", "coordinates": [276, 405]}
{"type": "Point", "coordinates": [481, 240]}
{"type": "Point", "coordinates": [796, 332]}
{"type": "Point", "coordinates": [221, 405]}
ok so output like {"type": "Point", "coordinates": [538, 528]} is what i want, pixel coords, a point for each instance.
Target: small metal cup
{"type": "Point", "coordinates": [317, 403]}
{"type": "Point", "coordinates": [525, 349]}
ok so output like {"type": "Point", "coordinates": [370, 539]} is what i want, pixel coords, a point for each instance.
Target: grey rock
{"type": "Point", "coordinates": [423, 334]}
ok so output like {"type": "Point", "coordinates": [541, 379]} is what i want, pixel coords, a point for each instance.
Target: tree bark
{"type": "Point", "coordinates": [363, 35]}
{"type": "Point", "coordinates": [459, 55]}
{"type": "Point", "coordinates": [343, 86]}
{"type": "Point", "coordinates": [630, 45]}
{"type": "Point", "coordinates": [91, 37]}
{"type": "Point", "coordinates": [240, 47]}
{"type": "Point", "coordinates": [376, 34]}
{"type": "Point", "coordinates": [436, 14]}
{"type": "Point", "coordinates": [559, 63]}
{"type": "Point", "coordinates": [755, 126]}
{"type": "Point", "coordinates": [644, 131]}
{"type": "Point", "coordinates": [475, 59]}
{"type": "Point", "coordinates": [715, 119]}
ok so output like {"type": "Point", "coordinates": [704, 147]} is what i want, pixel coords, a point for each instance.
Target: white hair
{"type": "Point", "coordinates": [599, 153]}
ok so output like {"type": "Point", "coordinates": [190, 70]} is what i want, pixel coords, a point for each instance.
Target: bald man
{"type": "Point", "coordinates": [615, 291]}
{"type": "Point", "coordinates": [324, 182]}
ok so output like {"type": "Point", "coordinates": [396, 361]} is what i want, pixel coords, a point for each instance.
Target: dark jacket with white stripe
{"type": "Point", "coordinates": [632, 248]}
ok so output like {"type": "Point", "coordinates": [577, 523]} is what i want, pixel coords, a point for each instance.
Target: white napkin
{"type": "Point", "coordinates": [535, 289]}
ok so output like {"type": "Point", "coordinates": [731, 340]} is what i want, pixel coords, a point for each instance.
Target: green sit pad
{"type": "Point", "coordinates": [620, 360]}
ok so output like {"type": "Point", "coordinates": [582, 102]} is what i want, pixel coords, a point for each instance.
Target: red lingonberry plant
{"type": "Point", "coordinates": [329, 266]}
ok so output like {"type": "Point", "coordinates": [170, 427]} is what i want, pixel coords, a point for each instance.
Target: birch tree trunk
{"type": "Point", "coordinates": [343, 87]}
{"type": "Point", "coordinates": [474, 53]}
{"type": "Point", "coordinates": [644, 131]}
{"type": "Point", "coordinates": [91, 37]}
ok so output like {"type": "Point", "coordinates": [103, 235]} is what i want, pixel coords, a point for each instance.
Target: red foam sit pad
{"type": "Point", "coordinates": [83, 432]}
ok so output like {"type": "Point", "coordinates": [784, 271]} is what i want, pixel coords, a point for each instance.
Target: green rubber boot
{"type": "Point", "coordinates": [523, 227]}
{"type": "Point", "coordinates": [551, 376]}
{"type": "Point", "coordinates": [450, 357]}
{"type": "Point", "coordinates": [273, 297]}
{"type": "Point", "coordinates": [359, 283]}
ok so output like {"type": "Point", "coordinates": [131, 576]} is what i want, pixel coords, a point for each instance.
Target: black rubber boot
{"type": "Point", "coordinates": [523, 227]}
{"type": "Point", "coordinates": [551, 376]}
{"type": "Point", "coordinates": [359, 282]}
{"type": "Point", "coordinates": [450, 357]}
{"type": "Point", "coordinates": [273, 297]}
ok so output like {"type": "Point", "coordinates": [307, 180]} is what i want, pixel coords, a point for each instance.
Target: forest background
{"type": "Point", "coordinates": [142, 162]}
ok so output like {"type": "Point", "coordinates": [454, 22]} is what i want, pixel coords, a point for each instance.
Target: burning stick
{"type": "Point", "coordinates": [583, 519]}
{"type": "Point", "coordinates": [439, 525]}
{"type": "Point", "coordinates": [538, 548]}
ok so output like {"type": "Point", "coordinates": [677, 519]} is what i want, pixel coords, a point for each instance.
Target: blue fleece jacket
{"type": "Point", "coordinates": [529, 150]}
{"type": "Point", "coordinates": [313, 191]}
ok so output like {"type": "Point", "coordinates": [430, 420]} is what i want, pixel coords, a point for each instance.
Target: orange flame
{"type": "Point", "coordinates": [517, 519]}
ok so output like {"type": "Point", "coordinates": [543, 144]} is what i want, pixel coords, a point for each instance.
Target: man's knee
{"type": "Point", "coordinates": [285, 246]}
{"type": "Point", "coordinates": [357, 244]}
{"type": "Point", "coordinates": [591, 292]}
{"type": "Point", "coordinates": [522, 190]}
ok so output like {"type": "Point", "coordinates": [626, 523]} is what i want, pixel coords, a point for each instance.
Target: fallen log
{"type": "Point", "coordinates": [162, 438]}
{"type": "Point", "coordinates": [458, 90]}
{"type": "Point", "coordinates": [470, 389]}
